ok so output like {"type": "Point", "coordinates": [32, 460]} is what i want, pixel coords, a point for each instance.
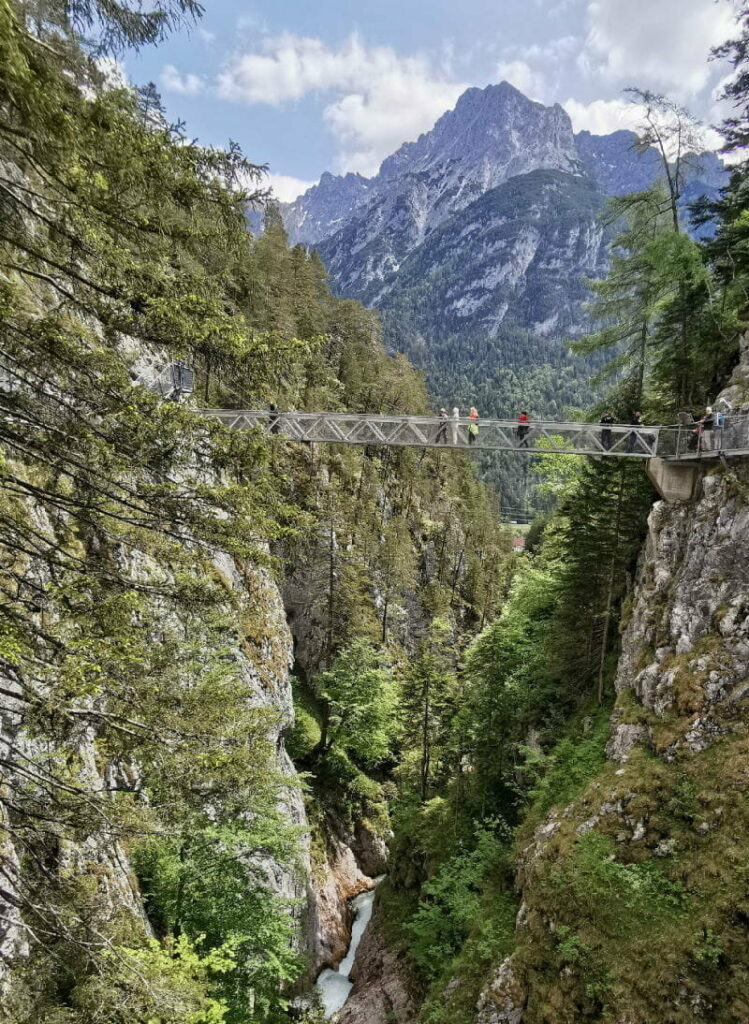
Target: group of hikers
{"type": "Point", "coordinates": [706, 430]}
{"type": "Point", "coordinates": [453, 421]}
{"type": "Point", "coordinates": [633, 440]}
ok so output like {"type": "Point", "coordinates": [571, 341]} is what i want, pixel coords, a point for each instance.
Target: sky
{"type": "Point", "coordinates": [338, 85]}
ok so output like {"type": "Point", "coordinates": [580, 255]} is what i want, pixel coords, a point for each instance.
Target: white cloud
{"type": "Point", "coordinates": [537, 70]}
{"type": "Point", "coordinates": [187, 84]}
{"type": "Point", "coordinates": [206, 36]}
{"type": "Point", "coordinates": [601, 117]}
{"type": "Point", "coordinates": [286, 188]}
{"type": "Point", "coordinates": [378, 99]}
{"type": "Point", "coordinates": [556, 9]}
{"type": "Point", "coordinates": [662, 44]}
{"type": "Point", "coordinates": [520, 74]}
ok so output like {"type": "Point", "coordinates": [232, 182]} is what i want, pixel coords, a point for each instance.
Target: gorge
{"type": "Point", "coordinates": [244, 680]}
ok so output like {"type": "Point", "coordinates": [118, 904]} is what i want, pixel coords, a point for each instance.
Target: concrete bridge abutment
{"type": "Point", "coordinates": [674, 481]}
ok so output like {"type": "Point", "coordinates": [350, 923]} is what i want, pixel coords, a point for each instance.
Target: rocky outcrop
{"type": "Point", "coordinates": [686, 650]}
{"type": "Point", "coordinates": [261, 652]}
{"type": "Point", "coordinates": [502, 1000]}
{"type": "Point", "coordinates": [334, 884]}
{"type": "Point", "coordinates": [668, 811]}
{"type": "Point", "coordinates": [382, 993]}
{"type": "Point", "coordinates": [370, 850]}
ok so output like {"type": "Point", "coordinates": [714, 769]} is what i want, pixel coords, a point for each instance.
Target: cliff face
{"type": "Point", "coordinates": [383, 991]}
{"type": "Point", "coordinates": [260, 653]}
{"type": "Point", "coordinates": [635, 904]}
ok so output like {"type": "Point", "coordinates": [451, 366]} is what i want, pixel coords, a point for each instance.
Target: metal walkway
{"type": "Point", "coordinates": [431, 432]}
{"type": "Point", "coordinates": [618, 440]}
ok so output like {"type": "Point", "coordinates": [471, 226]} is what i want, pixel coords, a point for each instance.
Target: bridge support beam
{"type": "Point", "coordinates": [674, 481]}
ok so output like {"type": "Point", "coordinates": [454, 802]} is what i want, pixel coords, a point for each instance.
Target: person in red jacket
{"type": "Point", "coordinates": [524, 426]}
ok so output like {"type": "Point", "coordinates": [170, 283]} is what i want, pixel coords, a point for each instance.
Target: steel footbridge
{"type": "Point", "coordinates": [616, 440]}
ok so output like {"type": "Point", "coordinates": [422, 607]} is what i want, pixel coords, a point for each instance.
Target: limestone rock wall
{"type": "Point", "coordinates": [262, 660]}
{"type": "Point", "coordinates": [671, 797]}
{"type": "Point", "coordinates": [382, 993]}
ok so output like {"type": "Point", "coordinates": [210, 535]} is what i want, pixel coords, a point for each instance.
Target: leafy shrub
{"type": "Point", "coordinates": [451, 901]}
{"type": "Point", "coordinates": [173, 983]}
{"type": "Point", "coordinates": [574, 761]}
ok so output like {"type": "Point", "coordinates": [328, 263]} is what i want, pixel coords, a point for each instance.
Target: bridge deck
{"type": "Point", "coordinates": [431, 432]}
{"type": "Point", "coordinates": [617, 440]}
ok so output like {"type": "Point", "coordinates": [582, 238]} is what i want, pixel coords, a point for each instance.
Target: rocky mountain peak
{"type": "Point", "coordinates": [496, 128]}
{"type": "Point", "coordinates": [491, 135]}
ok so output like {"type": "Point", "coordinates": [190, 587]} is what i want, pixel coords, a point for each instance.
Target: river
{"type": "Point", "coordinates": [334, 986]}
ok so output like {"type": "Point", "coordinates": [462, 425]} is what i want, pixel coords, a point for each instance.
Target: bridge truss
{"type": "Point", "coordinates": [617, 440]}
{"type": "Point", "coordinates": [431, 432]}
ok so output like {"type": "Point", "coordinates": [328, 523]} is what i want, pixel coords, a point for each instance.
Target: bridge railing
{"type": "Point", "coordinates": [429, 431]}
{"type": "Point", "coordinates": [691, 441]}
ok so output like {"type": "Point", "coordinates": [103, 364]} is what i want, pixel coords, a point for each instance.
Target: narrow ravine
{"type": "Point", "coordinates": [334, 986]}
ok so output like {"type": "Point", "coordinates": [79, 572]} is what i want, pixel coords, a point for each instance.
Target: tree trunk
{"type": "Point", "coordinates": [425, 745]}
{"type": "Point", "coordinates": [610, 588]}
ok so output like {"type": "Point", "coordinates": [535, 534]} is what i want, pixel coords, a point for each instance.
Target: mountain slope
{"type": "Point", "coordinates": [474, 243]}
{"type": "Point", "coordinates": [490, 136]}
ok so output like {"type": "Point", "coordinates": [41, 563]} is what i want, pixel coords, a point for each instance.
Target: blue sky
{"type": "Point", "coordinates": [307, 87]}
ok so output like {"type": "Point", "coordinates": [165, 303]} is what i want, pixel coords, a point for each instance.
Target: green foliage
{"type": "Point", "coordinates": [204, 884]}
{"type": "Point", "coordinates": [305, 736]}
{"type": "Point", "coordinates": [359, 692]}
{"type": "Point", "coordinates": [451, 900]}
{"type": "Point", "coordinates": [708, 948]}
{"type": "Point", "coordinates": [572, 763]}
{"type": "Point", "coordinates": [168, 983]}
{"type": "Point", "coordinates": [618, 896]}
{"type": "Point", "coordinates": [429, 698]}
{"type": "Point", "coordinates": [576, 955]}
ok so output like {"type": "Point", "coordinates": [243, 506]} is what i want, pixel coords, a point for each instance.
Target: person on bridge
{"type": "Point", "coordinates": [454, 425]}
{"type": "Point", "coordinates": [607, 419]}
{"type": "Point", "coordinates": [707, 436]}
{"type": "Point", "coordinates": [473, 426]}
{"type": "Point", "coordinates": [524, 426]}
{"type": "Point", "coordinates": [632, 439]}
{"type": "Point", "coordinates": [720, 422]}
{"type": "Point", "coordinates": [442, 428]}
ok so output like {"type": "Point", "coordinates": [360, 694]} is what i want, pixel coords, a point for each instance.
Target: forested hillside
{"type": "Point", "coordinates": [242, 677]}
{"type": "Point", "coordinates": [156, 858]}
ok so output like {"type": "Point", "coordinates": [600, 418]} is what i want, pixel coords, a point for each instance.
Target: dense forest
{"type": "Point", "coordinates": [447, 693]}
{"type": "Point", "coordinates": [537, 684]}
{"type": "Point", "coordinates": [129, 523]}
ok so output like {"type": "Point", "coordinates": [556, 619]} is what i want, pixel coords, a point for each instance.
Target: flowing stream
{"type": "Point", "coordinates": [334, 986]}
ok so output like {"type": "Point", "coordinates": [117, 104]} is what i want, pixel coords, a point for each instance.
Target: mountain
{"type": "Point", "coordinates": [612, 162]}
{"type": "Point", "coordinates": [475, 242]}
{"type": "Point", "coordinates": [490, 136]}
{"type": "Point", "coordinates": [330, 203]}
